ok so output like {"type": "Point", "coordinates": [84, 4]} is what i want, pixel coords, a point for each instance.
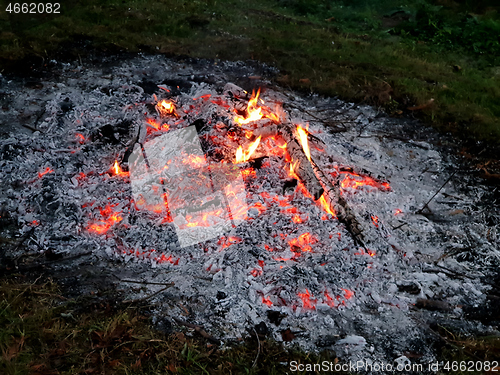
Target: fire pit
{"type": "Point", "coordinates": [326, 223]}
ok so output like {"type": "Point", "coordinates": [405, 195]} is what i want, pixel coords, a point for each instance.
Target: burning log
{"type": "Point", "coordinates": [239, 96]}
{"type": "Point", "coordinates": [300, 163]}
{"type": "Point", "coordinates": [339, 204]}
{"type": "Point", "coordinates": [314, 179]}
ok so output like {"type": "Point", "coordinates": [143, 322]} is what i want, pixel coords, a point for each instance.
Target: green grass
{"type": "Point", "coordinates": [360, 50]}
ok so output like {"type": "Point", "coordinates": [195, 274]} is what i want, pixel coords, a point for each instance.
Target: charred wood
{"type": "Point", "coordinates": [338, 204]}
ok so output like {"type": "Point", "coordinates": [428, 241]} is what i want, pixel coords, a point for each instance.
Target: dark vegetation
{"type": "Point", "coordinates": [42, 332]}
{"type": "Point", "coordinates": [436, 59]}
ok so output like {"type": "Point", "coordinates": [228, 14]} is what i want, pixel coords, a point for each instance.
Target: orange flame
{"type": "Point", "coordinates": [303, 141]}
{"type": "Point", "coordinates": [326, 206]}
{"type": "Point", "coordinates": [254, 112]}
{"type": "Point", "coordinates": [374, 220]}
{"type": "Point", "coordinates": [242, 156]}
{"type": "Point", "coordinates": [118, 171]}
{"type": "Point", "coordinates": [275, 117]}
{"type": "Point", "coordinates": [291, 173]}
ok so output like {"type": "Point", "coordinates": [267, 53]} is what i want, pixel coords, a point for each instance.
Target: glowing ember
{"type": "Point", "coordinates": [164, 259]}
{"type": "Point", "coordinates": [166, 108]}
{"type": "Point", "coordinates": [226, 242]}
{"type": "Point", "coordinates": [368, 252]}
{"type": "Point", "coordinates": [256, 272]}
{"type": "Point", "coordinates": [80, 138]}
{"type": "Point", "coordinates": [303, 242]}
{"type": "Point", "coordinates": [297, 219]}
{"type": "Point", "coordinates": [398, 212]}
{"type": "Point", "coordinates": [47, 170]}
{"type": "Point", "coordinates": [204, 97]}
{"type": "Point", "coordinates": [348, 294]}
{"type": "Point", "coordinates": [375, 220]}
{"type": "Point", "coordinates": [354, 181]}
{"type": "Point", "coordinates": [152, 122]}
{"type": "Point", "coordinates": [303, 141]}
{"type": "Point", "coordinates": [307, 302]}
{"type": "Point", "coordinates": [266, 301]}
{"type": "Point", "coordinates": [118, 171]}
{"type": "Point", "coordinates": [110, 218]}
{"type": "Point", "coordinates": [243, 156]}
{"type": "Point", "coordinates": [249, 172]}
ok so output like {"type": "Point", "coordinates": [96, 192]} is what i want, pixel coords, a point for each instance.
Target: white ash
{"type": "Point", "coordinates": [358, 298]}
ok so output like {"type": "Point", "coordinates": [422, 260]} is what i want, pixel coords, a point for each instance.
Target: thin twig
{"type": "Point", "coordinates": [149, 296]}
{"type": "Point", "coordinates": [198, 329]}
{"type": "Point", "coordinates": [258, 348]}
{"type": "Point", "coordinates": [437, 192]}
{"type": "Point", "coordinates": [400, 226]}
{"type": "Point", "coordinates": [141, 282]}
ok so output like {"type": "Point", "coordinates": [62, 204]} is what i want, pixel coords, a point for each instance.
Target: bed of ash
{"type": "Point", "coordinates": [286, 262]}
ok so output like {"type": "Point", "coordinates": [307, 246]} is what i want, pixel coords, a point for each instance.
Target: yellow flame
{"type": "Point", "coordinates": [292, 169]}
{"type": "Point", "coordinates": [242, 156]}
{"type": "Point", "coordinates": [253, 110]}
{"type": "Point", "coordinates": [165, 107]}
{"type": "Point", "coordinates": [326, 206]}
{"type": "Point", "coordinates": [303, 140]}
{"type": "Point", "coordinates": [239, 155]}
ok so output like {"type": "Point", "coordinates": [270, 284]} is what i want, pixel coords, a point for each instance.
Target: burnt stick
{"type": "Point", "coordinates": [339, 205]}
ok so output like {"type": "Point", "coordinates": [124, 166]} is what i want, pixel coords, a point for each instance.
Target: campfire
{"type": "Point", "coordinates": [260, 205]}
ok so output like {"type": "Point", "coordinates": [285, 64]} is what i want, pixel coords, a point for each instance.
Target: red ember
{"type": "Point", "coordinates": [47, 170]}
